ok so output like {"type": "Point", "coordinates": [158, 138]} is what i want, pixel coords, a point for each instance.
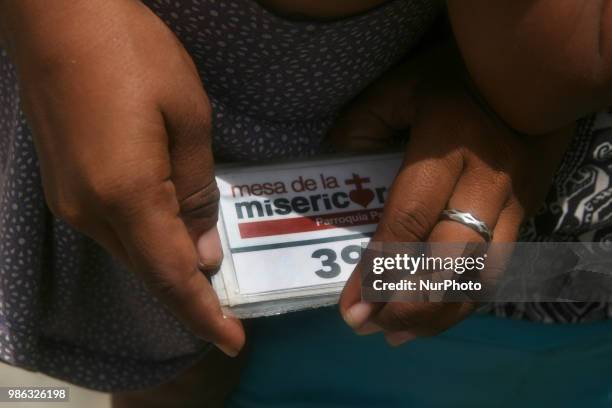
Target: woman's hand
{"type": "Point", "coordinates": [457, 157]}
{"type": "Point", "coordinates": [122, 127]}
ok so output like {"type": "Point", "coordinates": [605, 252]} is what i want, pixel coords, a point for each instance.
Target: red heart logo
{"type": "Point", "coordinates": [363, 197]}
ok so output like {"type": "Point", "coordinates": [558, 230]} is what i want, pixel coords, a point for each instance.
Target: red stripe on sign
{"type": "Point", "coordinates": [255, 229]}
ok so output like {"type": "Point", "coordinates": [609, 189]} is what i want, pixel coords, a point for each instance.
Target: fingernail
{"type": "Point", "coordinates": [358, 314]}
{"type": "Point", "coordinates": [229, 351]}
{"type": "Point", "coordinates": [398, 338]}
{"type": "Point", "coordinates": [208, 270]}
{"type": "Point", "coordinates": [209, 248]}
{"type": "Point", "coordinates": [368, 328]}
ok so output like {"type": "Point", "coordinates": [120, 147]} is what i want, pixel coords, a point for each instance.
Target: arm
{"type": "Point", "coordinates": [539, 63]}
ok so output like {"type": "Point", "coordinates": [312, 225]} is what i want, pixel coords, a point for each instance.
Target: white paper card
{"type": "Point", "coordinates": [292, 232]}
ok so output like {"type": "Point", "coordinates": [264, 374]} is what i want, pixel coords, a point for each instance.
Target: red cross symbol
{"type": "Point", "coordinates": [357, 181]}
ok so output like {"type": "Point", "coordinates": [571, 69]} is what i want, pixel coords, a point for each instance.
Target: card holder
{"type": "Point", "coordinates": [292, 232]}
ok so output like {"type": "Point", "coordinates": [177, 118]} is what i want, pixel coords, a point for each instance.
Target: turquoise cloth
{"type": "Point", "coordinates": [312, 359]}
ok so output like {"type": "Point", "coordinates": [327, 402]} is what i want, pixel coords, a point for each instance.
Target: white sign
{"type": "Point", "coordinates": [295, 230]}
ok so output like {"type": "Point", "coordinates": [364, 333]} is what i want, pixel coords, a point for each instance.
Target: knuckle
{"type": "Point", "coordinates": [408, 222]}
{"type": "Point", "coordinates": [105, 188]}
{"type": "Point", "coordinates": [202, 204]}
{"type": "Point", "coordinates": [503, 180]}
{"type": "Point", "coordinates": [122, 196]}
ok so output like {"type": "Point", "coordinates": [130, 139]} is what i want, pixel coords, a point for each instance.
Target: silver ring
{"type": "Point", "coordinates": [469, 221]}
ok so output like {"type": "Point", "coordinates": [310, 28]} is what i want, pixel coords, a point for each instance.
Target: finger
{"type": "Point", "coordinates": [504, 237]}
{"type": "Point", "coordinates": [435, 320]}
{"type": "Point", "coordinates": [405, 322]}
{"type": "Point", "coordinates": [209, 248]}
{"type": "Point", "coordinates": [400, 316]}
{"type": "Point", "coordinates": [165, 257]}
{"type": "Point", "coordinates": [480, 191]}
{"type": "Point", "coordinates": [353, 310]}
{"type": "Point", "coordinates": [360, 129]}
{"type": "Point", "coordinates": [509, 222]}
{"type": "Point", "coordinates": [188, 119]}
{"type": "Point", "coordinates": [377, 114]}
{"type": "Point", "coordinates": [430, 323]}
{"type": "Point", "coordinates": [418, 195]}
{"type": "Point", "coordinates": [368, 328]}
